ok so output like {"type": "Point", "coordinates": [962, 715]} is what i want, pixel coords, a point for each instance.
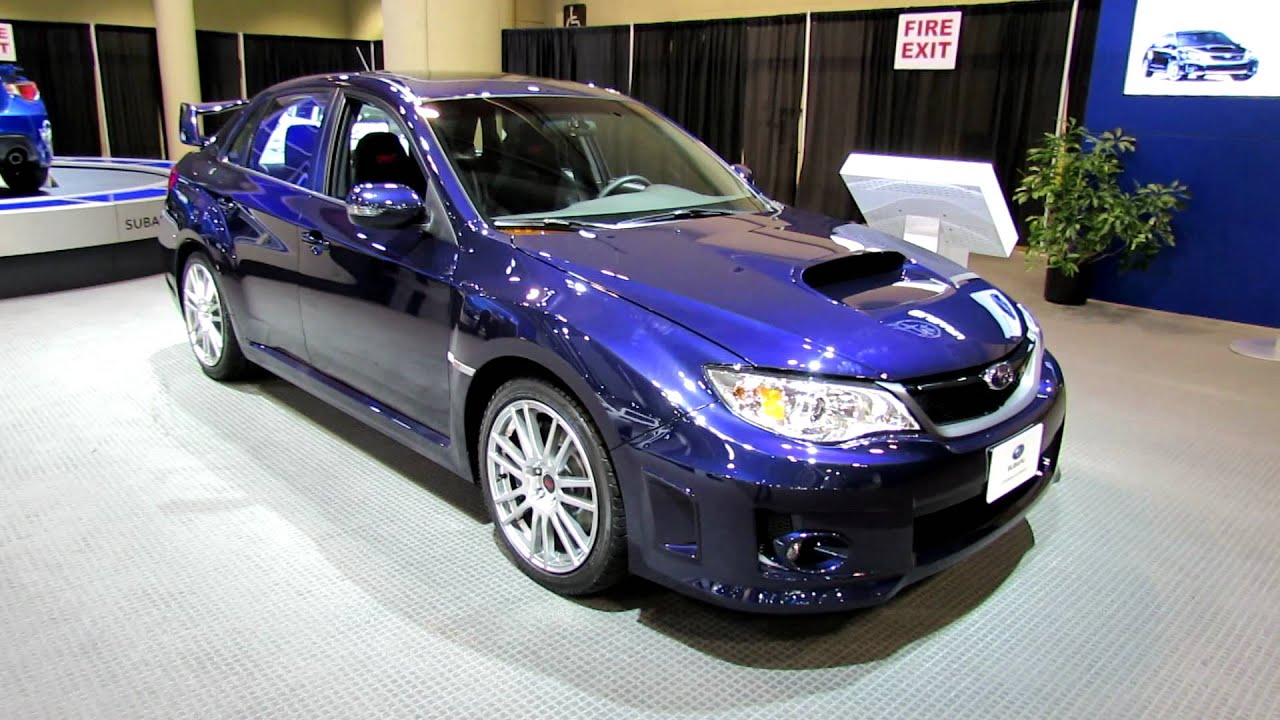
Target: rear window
{"type": "Point", "coordinates": [283, 141]}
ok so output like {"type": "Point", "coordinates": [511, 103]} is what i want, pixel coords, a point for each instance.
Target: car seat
{"type": "Point", "coordinates": [532, 174]}
{"type": "Point", "coordinates": [380, 158]}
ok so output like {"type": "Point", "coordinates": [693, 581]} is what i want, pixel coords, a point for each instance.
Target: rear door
{"type": "Point", "coordinates": [268, 167]}
{"type": "Point", "coordinates": [377, 304]}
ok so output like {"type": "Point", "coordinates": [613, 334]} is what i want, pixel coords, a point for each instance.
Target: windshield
{"type": "Point", "coordinates": [1203, 38]}
{"type": "Point", "coordinates": [572, 159]}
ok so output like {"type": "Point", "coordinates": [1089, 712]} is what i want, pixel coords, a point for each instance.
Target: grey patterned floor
{"type": "Point", "coordinates": [175, 548]}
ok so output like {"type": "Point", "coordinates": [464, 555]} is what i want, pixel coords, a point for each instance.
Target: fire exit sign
{"type": "Point", "coordinates": [8, 53]}
{"type": "Point", "coordinates": [927, 41]}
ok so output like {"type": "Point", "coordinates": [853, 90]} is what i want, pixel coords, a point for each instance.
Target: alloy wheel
{"type": "Point", "coordinates": [542, 486]}
{"type": "Point", "coordinates": [202, 309]}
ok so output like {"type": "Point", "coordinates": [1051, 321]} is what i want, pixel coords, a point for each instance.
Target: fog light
{"type": "Point", "coordinates": [811, 551]}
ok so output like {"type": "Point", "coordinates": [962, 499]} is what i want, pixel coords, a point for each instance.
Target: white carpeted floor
{"type": "Point", "coordinates": [175, 548]}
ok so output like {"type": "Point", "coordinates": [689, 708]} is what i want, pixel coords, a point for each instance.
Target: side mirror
{"type": "Point", "coordinates": [744, 172]}
{"type": "Point", "coordinates": [384, 206]}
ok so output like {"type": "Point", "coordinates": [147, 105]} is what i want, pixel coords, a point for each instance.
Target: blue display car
{"type": "Point", "coordinates": [647, 365]}
{"type": "Point", "coordinates": [1197, 55]}
{"type": "Point", "coordinates": [26, 136]}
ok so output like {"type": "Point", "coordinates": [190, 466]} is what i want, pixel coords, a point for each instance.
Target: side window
{"type": "Point", "coordinates": [238, 146]}
{"type": "Point", "coordinates": [284, 140]}
{"type": "Point", "coordinates": [373, 147]}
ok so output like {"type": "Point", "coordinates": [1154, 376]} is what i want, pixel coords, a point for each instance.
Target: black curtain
{"type": "Point", "coordinates": [597, 55]}
{"type": "Point", "coordinates": [219, 57]}
{"type": "Point", "coordinates": [269, 59]}
{"type": "Point", "coordinates": [1002, 96]}
{"type": "Point", "coordinates": [130, 67]}
{"type": "Point", "coordinates": [59, 58]}
{"type": "Point", "coordinates": [695, 74]}
{"type": "Point", "coordinates": [771, 115]}
{"type": "Point", "coordinates": [1082, 57]}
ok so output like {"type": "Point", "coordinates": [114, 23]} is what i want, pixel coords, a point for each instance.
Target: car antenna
{"type": "Point", "coordinates": [363, 62]}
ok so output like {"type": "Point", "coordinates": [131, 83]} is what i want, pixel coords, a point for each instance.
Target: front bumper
{"type": "Point", "coordinates": [706, 496]}
{"type": "Point", "coordinates": [1197, 69]}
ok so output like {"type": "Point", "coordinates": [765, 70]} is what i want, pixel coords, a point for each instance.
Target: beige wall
{"type": "Point", "coordinates": [106, 12]}
{"type": "Point", "coordinates": [624, 12]}
{"type": "Point", "coordinates": [315, 18]}
{"type": "Point", "coordinates": [365, 17]}
{"type": "Point", "coordinates": [466, 35]}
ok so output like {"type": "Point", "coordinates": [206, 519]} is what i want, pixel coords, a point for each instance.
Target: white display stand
{"type": "Point", "coordinates": [951, 207]}
{"type": "Point", "coordinates": [1260, 348]}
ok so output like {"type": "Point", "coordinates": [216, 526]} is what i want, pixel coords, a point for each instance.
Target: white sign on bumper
{"type": "Point", "coordinates": [1013, 462]}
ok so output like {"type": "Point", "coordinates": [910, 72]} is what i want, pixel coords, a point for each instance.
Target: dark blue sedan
{"type": "Point", "coordinates": [647, 365]}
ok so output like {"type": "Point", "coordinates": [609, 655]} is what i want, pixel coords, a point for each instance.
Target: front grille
{"type": "Point", "coordinates": [965, 395]}
{"type": "Point", "coordinates": [942, 532]}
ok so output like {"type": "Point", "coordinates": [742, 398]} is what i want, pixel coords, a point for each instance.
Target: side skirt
{"type": "Point", "coordinates": [419, 437]}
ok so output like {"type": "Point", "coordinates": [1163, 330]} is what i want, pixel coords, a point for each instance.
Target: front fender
{"type": "Point", "coordinates": [632, 369]}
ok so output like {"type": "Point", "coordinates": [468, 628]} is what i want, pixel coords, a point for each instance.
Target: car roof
{"type": "Point", "coordinates": [440, 86]}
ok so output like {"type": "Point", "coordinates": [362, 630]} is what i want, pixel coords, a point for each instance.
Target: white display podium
{"type": "Point", "coordinates": [1260, 348]}
{"type": "Point", "coordinates": [951, 207]}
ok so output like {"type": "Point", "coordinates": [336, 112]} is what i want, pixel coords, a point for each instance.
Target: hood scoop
{"type": "Point", "coordinates": [871, 281]}
{"type": "Point", "coordinates": [852, 275]}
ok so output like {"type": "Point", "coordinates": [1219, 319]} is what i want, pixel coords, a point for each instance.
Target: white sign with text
{"type": "Point", "coordinates": [8, 53]}
{"type": "Point", "coordinates": [927, 41]}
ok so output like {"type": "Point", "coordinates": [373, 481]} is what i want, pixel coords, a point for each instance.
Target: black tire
{"type": "Point", "coordinates": [231, 364]}
{"type": "Point", "coordinates": [606, 562]}
{"type": "Point", "coordinates": [24, 179]}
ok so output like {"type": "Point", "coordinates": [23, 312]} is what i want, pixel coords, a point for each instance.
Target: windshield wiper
{"type": "Point", "coordinates": [549, 222]}
{"type": "Point", "coordinates": [681, 214]}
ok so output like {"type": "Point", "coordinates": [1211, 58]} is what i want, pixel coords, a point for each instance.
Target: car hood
{"type": "Point", "coordinates": [797, 291]}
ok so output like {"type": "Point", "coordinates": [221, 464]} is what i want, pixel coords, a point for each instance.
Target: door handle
{"type": "Point", "coordinates": [316, 240]}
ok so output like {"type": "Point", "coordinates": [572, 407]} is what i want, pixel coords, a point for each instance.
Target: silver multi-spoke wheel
{"type": "Point", "coordinates": [542, 486]}
{"type": "Point", "coordinates": [202, 309]}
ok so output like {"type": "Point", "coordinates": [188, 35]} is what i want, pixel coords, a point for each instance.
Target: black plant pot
{"type": "Point", "coordinates": [1063, 290]}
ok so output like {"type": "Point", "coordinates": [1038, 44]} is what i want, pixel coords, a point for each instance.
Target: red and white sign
{"type": "Point", "coordinates": [927, 41]}
{"type": "Point", "coordinates": [8, 53]}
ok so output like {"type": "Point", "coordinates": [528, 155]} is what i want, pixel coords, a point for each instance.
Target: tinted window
{"type": "Point", "coordinates": [284, 140]}
{"type": "Point", "coordinates": [591, 158]}
{"type": "Point", "coordinates": [1203, 38]}
{"type": "Point", "coordinates": [373, 147]}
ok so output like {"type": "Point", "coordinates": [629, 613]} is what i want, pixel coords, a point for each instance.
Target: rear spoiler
{"type": "Point", "coordinates": [189, 119]}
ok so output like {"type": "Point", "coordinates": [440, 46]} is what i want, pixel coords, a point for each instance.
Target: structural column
{"type": "Point", "coordinates": [179, 70]}
{"type": "Point", "coordinates": [444, 36]}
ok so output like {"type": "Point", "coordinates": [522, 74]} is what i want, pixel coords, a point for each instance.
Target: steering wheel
{"type": "Point", "coordinates": [612, 186]}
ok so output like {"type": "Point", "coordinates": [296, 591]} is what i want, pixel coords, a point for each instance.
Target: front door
{"type": "Point", "coordinates": [377, 304]}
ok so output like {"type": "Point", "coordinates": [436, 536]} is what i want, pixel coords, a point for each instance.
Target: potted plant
{"type": "Point", "coordinates": [1085, 215]}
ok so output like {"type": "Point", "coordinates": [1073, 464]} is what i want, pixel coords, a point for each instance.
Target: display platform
{"type": "Point", "coordinates": [96, 222]}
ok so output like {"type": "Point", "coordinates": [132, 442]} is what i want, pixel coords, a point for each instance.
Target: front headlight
{"type": "Point", "coordinates": [807, 409]}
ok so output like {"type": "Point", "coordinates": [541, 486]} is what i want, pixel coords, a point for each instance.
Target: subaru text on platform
{"type": "Point", "coordinates": [647, 365]}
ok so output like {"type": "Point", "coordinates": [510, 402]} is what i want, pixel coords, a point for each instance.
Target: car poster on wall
{"type": "Point", "coordinates": [1192, 47]}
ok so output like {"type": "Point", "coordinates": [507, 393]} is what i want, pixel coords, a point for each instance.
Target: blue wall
{"type": "Point", "coordinates": [1227, 150]}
